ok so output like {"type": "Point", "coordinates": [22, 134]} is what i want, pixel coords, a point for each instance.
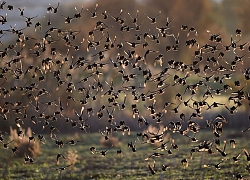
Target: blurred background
{"type": "Point", "coordinates": [206, 16]}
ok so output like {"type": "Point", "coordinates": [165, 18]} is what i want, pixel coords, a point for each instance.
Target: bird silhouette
{"type": "Point", "coordinates": [223, 153]}
{"type": "Point", "coordinates": [153, 19]}
{"type": "Point", "coordinates": [151, 168]}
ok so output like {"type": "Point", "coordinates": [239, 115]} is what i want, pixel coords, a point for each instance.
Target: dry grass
{"type": "Point", "coordinates": [72, 157]}
{"type": "Point", "coordinates": [23, 143]}
{"type": "Point", "coordinates": [111, 142]}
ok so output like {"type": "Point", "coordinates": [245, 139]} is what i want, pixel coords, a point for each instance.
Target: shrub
{"type": "Point", "coordinates": [72, 156]}
{"type": "Point", "coordinates": [24, 143]}
{"type": "Point", "coordinates": [110, 142]}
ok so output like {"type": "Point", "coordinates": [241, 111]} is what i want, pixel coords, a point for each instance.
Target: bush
{"type": "Point", "coordinates": [72, 156]}
{"type": "Point", "coordinates": [24, 143]}
{"type": "Point", "coordinates": [110, 142]}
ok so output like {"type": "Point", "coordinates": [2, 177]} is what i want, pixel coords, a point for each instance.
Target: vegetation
{"type": "Point", "coordinates": [131, 92]}
{"type": "Point", "coordinates": [129, 165]}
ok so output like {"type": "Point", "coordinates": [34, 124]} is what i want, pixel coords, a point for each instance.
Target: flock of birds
{"type": "Point", "coordinates": [120, 75]}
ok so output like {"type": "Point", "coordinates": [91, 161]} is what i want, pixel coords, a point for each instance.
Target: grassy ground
{"type": "Point", "coordinates": [131, 165]}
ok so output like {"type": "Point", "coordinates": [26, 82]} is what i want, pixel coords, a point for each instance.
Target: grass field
{"type": "Point", "coordinates": [130, 165]}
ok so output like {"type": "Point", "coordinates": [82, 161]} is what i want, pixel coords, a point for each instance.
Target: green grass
{"type": "Point", "coordinates": [130, 165]}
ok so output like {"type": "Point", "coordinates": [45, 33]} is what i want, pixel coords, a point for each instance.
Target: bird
{"type": "Point", "coordinates": [192, 29]}
{"type": "Point", "coordinates": [10, 7]}
{"type": "Point", "coordinates": [223, 153]}
{"type": "Point", "coordinates": [119, 153]}
{"type": "Point", "coordinates": [232, 143]}
{"type": "Point", "coordinates": [184, 27]}
{"type": "Point", "coordinates": [53, 9]}
{"type": "Point", "coordinates": [15, 150]}
{"type": "Point", "coordinates": [165, 167]}
{"type": "Point", "coordinates": [104, 152]}
{"type": "Point", "coordinates": [238, 32]}
{"type": "Point", "coordinates": [72, 142]}
{"type": "Point", "coordinates": [184, 163]}
{"type": "Point", "coordinates": [105, 15]}
{"type": "Point", "coordinates": [58, 157]}
{"type": "Point", "coordinates": [93, 150]}
{"type": "Point", "coordinates": [5, 145]}
{"type": "Point", "coordinates": [118, 18]}
{"type": "Point", "coordinates": [219, 116]}
{"type": "Point", "coordinates": [134, 19]}
{"type": "Point", "coordinates": [236, 157]}
{"type": "Point", "coordinates": [132, 146]}
{"type": "Point", "coordinates": [151, 168]}
{"type": "Point", "coordinates": [93, 14]}
{"type": "Point", "coordinates": [28, 159]}
{"type": "Point", "coordinates": [246, 154]}
{"type": "Point", "coordinates": [78, 13]}
{"type": "Point", "coordinates": [217, 166]}
{"type": "Point", "coordinates": [92, 78]}
{"type": "Point", "coordinates": [153, 19]}
{"type": "Point", "coordinates": [63, 168]}
{"type": "Point", "coordinates": [155, 154]}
